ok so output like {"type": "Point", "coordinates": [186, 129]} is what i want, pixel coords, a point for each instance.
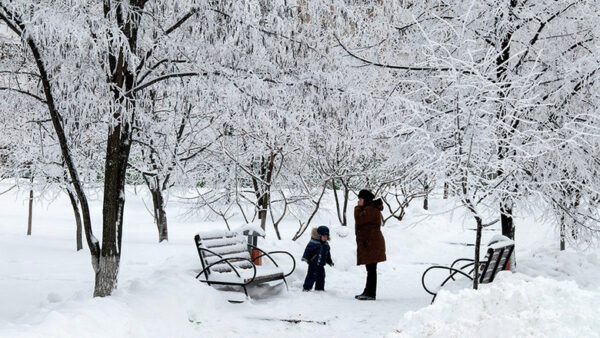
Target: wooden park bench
{"type": "Point", "coordinates": [226, 260]}
{"type": "Point", "coordinates": [497, 259]}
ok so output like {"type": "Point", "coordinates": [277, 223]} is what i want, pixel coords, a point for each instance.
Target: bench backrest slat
{"type": "Point", "coordinates": [498, 258]}
{"type": "Point", "coordinates": [227, 244]}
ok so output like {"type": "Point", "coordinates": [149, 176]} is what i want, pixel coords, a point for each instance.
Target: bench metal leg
{"type": "Point", "coordinates": [286, 284]}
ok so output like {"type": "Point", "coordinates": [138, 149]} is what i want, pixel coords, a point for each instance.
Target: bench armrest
{"type": "Point", "coordinates": [453, 272]}
{"type": "Point", "coordinates": [461, 260]}
{"type": "Point", "coordinates": [268, 255]}
{"type": "Point", "coordinates": [226, 260]}
{"type": "Point", "coordinates": [471, 262]}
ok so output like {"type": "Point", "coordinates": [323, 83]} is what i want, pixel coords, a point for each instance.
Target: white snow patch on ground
{"type": "Point", "coordinates": [46, 287]}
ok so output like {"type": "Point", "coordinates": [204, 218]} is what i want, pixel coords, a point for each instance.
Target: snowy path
{"type": "Point", "coordinates": [336, 307]}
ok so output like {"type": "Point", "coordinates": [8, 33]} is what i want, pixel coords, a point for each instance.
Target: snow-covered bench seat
{"type": "Point", "coordinates": [226, 260]}
{"type": "Point", "coordinates": [499, 250]}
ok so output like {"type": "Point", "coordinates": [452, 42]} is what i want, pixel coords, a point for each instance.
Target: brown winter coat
{"type": "Point", "coordinates": [369, 239]}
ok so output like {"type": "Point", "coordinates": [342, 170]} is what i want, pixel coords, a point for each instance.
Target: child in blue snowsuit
{"type": "Point", "coordinates": [317, 255]}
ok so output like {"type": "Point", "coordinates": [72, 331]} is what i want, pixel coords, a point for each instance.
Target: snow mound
{"type": "Point", "coordinates": [513, 306]}
{"type": "Point", "coordinates": [581, 267]}
{"type": "Point", "coordinates": [166, 304]}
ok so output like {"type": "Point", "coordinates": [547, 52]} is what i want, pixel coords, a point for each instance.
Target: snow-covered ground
{"type": "Point", "coordinates": [46, 286]}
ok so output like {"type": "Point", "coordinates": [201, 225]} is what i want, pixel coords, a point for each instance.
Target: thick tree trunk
{"type": "Point", "coordinates": [160, 214]}
{"type": "Point", "coordinates": [117, 155]}
{"type": "Point", "coordinates": [106, 277]}
{"type": "Point", "coordinates": [504, 134]}
{"type": "Point", "coordinates": [118, 146]}
{"type": "Point", "coordinates": [77, 214]}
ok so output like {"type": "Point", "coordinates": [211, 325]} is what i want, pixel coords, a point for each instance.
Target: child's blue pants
{"type": "Point", "coordinates": [315, 274]}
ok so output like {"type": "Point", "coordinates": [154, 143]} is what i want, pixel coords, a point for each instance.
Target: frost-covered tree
{"type": "Point", "coordinates": [510, 78]}
{"type": "Point", "coordinates": [97, 61]}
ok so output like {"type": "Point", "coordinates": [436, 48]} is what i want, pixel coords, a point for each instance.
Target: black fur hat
{"type": "Point", "coordinates": [366, 195]}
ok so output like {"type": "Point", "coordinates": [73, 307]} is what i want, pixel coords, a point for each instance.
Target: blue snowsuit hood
{"type": "Point", "coordinates": [317, 252]}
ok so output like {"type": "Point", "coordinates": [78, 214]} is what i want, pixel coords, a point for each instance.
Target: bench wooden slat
{"type": "Point", "coordinates": [259, 278]}
{"type": "Point", "coordinates": [224, 267]}
{"type": "Point", "coordinates": [216, 242]}
{"type": "Point", "coordinates": [213, 259]}
{"type": "Point", "coordinates": [208, 235]}
{"type": "Point", "coordinates": [225, 250]}
{"type": "Point", "coordinates": [498, 257]}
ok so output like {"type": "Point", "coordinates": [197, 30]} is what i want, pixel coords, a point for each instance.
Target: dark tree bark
{"type": "Point", "coordinates": [506, 220]}
{"type": "Point", "coordinates": [77, 214]}
{"type": "Point", "coordinates": [426, 189]}
{"type": "Point", "coordinates": [30, 215]}
{"type": "Point", "coordinates": [117, 155]}
{"type": "Point", "coordinates": [479, 223]}
{"type": "Point", "coordinates": [562, 233]}
{"type": "Point", "coordinates": [278, 221]}
{"type": "Point", "coordinates": [506, 216]}
{"type": "Point", "coordinates": [160, 214]}
{"type": "Point", "coordinates": [263, 189]}
{"type": "Point", "coordinates": [155, 187]}
{"type": "Point", "coordinates": [345, 208]}
{"type": "Point", "coordinates": [398, 212]}
{"type": "Point", "coordinates": [445, 191]}
{"type": "Point", "coordinates": [337, 201]}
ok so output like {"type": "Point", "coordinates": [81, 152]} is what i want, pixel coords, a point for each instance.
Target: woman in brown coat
{"type": "Point", "coordinates": [369, 240]}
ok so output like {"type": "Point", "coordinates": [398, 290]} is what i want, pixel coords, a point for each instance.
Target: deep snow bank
{"type": "Point", "coordinates": [515, 305]}
{"type": "Point", "coordinates": [163, 304]}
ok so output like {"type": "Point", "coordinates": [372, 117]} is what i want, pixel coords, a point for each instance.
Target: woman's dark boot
{"type": "Point", "coordinates": [365, 297]}
{"type": "Point", "coordinates": [361, 295]}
